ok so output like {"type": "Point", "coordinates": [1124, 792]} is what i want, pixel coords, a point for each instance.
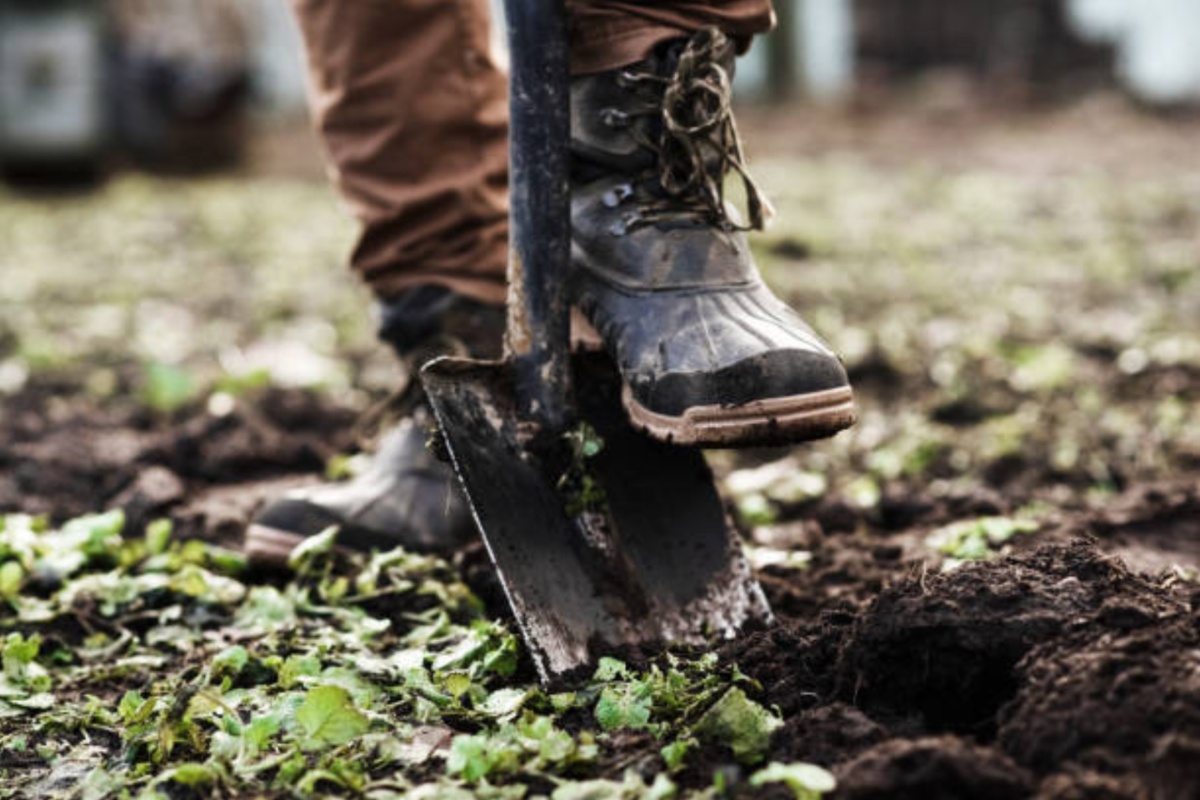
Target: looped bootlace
{"type": "Point", "coordinates": [699, 143]}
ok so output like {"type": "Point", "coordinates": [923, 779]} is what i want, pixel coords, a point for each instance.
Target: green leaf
{"type": "Point", "coordinates": [41, 701]}
{"type": "Point", "coordinates": [313, 547]}
{"type": "Point", "coordinates": [296, 667]}
{"type": "Point", "coordinates": [18, 654]}
{"type": "Point", "coordinates": [191, 774]}
{"type": "Point", "coordinates": [675, 754]}
{"type": "Point", "coordinates": [11, 575]}
{"type": "Point", "coordinates": [598, 789]}
{"type": "Point", "coordinates": [625, 706]}
{"type": "Point", "coordinates": [610, 669]}
{"type": "Point", "coordinates": [757, 510]}
{"type": "Point", "coordinates": [99, 529]}
{"type": "Point", "coordinates": [563, 702]}
{"type": "Point", "coordinates": [739, 723]}
{"type": "Point", "coordinates": [134, 708]}
{"type": "Point", "coordinates": [259, 732]}
{"type": "Point", "coordinates": [206, 586]}
{"type": "Point", "coordinates": [265, 608]}
{"type": "Point", "coordinates": [468, 758]}
{"type": "Point", "coordinates": [100, 784]}
{"type": "Point", "coordinates": [502, 658]}
{"type": "Point", "coordinates": [556, 746]}
{"type": "Point", "coordinates": [230, 661]}
{"type": "Point", "coordinates": [158, 536]}
{"type": "Point", "coordinates": [328, 716]}
{"type": "Point", "coordinates": [227, 562]}
{"type": "Point", "coordinates": [807, 781]}
{"type": "Point", "coordinates": [166, 388]}
{"type": "Point", "coordinates": [504, 703]}
{"type": "Point", "coordinates": [456, 683]}
{"type": "Point", "coordinates": [975, 539]}
{"type": "Point", "coordinates": [469, 649]}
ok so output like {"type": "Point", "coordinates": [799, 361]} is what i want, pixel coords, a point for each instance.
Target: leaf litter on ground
{"type": "Point", "coordinates": [145, 667]}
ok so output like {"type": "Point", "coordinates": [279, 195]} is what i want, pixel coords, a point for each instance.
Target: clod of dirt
{"type": "Point", "coordinates": [793, 663]}
{"type": "Point", "coordinates": [281, 432]}
{"type": "Point", "coordinates": [826, 735]}
{"type": "Point", "coordinates": [153, 490]}
{"type": "Point", "coordinates": [66, 458]}
{"type": "Point", "coordinates": [1172, 768]}
{"type": "Point", "coordinates": [1106, 701]}
{"type": "Point", "coordinates": [934, 768]}
{"type": "Point", "coordinates": [1152, 527]}
{"type": "Point", "coordinates": [1076, 783]}
{"type": "Point", "coordinates": [939, 652]}
{"type": "Point", "coordinates": [219, 513]}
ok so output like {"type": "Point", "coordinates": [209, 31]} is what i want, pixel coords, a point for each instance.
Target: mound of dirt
{"type": "Point", "coordinates": [940, 652]}
{"type": "Point", "coordinates": [1117, 702]}
{"type": "Point", "coordinates": [1055, 672]}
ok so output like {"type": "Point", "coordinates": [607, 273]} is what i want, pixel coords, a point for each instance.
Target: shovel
{"type": "Point", "coordinates": [603, 538]}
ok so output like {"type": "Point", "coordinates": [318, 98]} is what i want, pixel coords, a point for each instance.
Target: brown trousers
{"type": "Point", "coordinates": [413, 112]}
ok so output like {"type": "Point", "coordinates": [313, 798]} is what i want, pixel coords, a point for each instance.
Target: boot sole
{"type": "Point", "coordinates": [269, 547]}
{"type": "Point", "coordinates": [759, 423]}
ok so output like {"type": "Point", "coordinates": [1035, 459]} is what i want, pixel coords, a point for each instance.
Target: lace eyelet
{"type": "Point", "coordinates": [614, 118]}
{"type": "Point", "coordinates": [617, 195]}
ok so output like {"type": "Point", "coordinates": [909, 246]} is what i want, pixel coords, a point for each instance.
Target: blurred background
{"type": "Point", "coordinates": [181, 84]}
{"type": "Point", "coordinates": [992, 209]}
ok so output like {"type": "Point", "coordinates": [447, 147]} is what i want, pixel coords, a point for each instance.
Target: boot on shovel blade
{"type": "Point", "coordinates": [602, 537]}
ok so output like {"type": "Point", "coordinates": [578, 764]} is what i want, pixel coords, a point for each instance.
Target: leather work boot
{"type": "Point", "coordinates": [406, 496]}
{"type": "Point", "coordinates": [662, 270]}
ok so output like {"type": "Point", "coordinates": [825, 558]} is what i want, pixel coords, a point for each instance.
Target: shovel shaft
{"type": "Point", "coordinates": [540, 234]}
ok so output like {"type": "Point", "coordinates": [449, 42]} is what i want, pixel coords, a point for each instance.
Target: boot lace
{"type": "Point", "coordinates": [699, 142]}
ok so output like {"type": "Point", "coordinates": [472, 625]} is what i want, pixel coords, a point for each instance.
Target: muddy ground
{"type": "Point", "coordinates": [1019, 317]}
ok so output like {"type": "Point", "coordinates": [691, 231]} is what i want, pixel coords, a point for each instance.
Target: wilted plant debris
{"type": "Point", "coordinates": [142, 666]}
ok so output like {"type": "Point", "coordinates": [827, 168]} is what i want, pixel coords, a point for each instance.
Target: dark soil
{"type": "Point", "coordinates": [1068, 669]}
{"type": "Point", "coordinates": [1054, 673]}
{"type": "Point", "coordinates": [208, 472]}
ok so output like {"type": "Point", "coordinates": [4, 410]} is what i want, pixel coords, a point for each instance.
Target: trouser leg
{"type": "Point", "coordinates": [606, 34]}
{"type": "Point", "coordinates": [412, 111]}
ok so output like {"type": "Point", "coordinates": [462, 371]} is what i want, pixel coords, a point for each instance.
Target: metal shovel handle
{"type": "Point", "coordinates": [538, 332]}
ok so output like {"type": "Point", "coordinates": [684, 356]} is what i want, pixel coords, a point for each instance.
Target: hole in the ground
{"type": "Point", "coordinates": [938, 686]}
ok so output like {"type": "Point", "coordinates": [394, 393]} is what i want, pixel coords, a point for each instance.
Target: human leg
{"type": "Point", "coordinates": [674, 292]}
{"type": "Point", "coordinates": [412, 112]}
{"type": "Point", "coordinates": [411, 109]}
{"type": "Point", "coordinates": [606, 34]}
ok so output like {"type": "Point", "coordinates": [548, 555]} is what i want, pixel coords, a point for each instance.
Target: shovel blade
{"type": "Point", "coordinates": [655, 562]}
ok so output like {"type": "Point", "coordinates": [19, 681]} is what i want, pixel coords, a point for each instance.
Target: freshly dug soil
{"type": "Point", "coordinates": [208, 471]}
{"type": "Point", "coordinates": [1056, 673]}
{"type": "Point", "coordinates": [1117, 700]}
{"type": "Point", "coordinates": [935, 768]}
{"type": "Point", "coordinates": [1068, 669]}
